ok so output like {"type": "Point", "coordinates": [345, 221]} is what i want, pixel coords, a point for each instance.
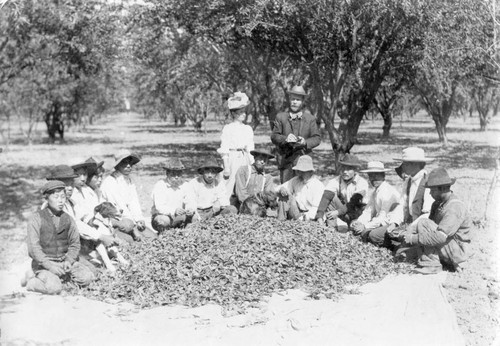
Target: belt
{"type": "Point", "coordinates": [237, 149]}
{"type": "Point", "coordinates": [204, 209]}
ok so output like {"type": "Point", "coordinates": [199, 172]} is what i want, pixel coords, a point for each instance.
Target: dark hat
{"type": "Point", "coordinates": [88, 166]}
{"type": "Point", "coordinates": [98, 164]}
{"type": "Point", "coordinates": [351, 160]}
{"type": "Point", "coordinates": [52, 185]}
{"type": "Point", "coordinates": [211, 162]}
{"type": "Point", "coordinates": [439, 177]}
{"type": "Point", "coordinates": [173, 164]}
{"type": "Point", "coordinates": [298, 90]}
{"type": "Point", "coordinates": [61, 172]}
{"type": "Point", "coordinates": [263, 152]}
{"type": "Point", "coordinates": [126, 154]}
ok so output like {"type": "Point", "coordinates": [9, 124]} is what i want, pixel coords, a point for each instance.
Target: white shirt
{"type": "Point", "coordinates": [200, 195]}
{"type": "Point", "coordinates": [382, 203]}
{"type": "Point", "coordinates": [356, 185]}
{"type": "Point", "coordinates": [408, 200]}
{"type": "Point", "coordinates": [121, 191]}
{"type": "Point", "coordinates": [85, 200]}
{"type": "Point", "coordinates": [166, 199]}
{"type": "Point", "coordinates": [236, 135]}
{"type": "Point", "coordinates": [308, 195]}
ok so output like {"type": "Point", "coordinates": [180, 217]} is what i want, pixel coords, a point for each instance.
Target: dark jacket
{"type": "Point", "coordinates": [418, 201]}
{"type": "Point", "coordinates": [305, 127]}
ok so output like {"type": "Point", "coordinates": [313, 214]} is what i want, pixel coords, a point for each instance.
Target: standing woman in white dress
{"type": "Point", "coordinates": [236, 140]}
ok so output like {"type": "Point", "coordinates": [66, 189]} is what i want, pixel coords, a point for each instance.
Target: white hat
{"type": "Point", "coordinates": [304, 164]}
{"type": "Point", "coordinates": [126, 154]}
{"type": "Point", "coordinates": [375, 167]}
{"type": "Point", "coordinates": [238, 100]}
{"type": "Point", "coordinates": [413, 154]}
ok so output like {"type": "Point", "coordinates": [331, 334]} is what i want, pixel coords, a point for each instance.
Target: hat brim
{"type": "Point", "coordinates": [217, 168]}
{"type": "Point", "coordinates": [376, 170]}
{"type": "Point", "coordinates": [295, 168]}
{"type": "Point", "coordinates": [86, 165]}
{"type": "Point", "coordinates": [296, 93]}
{"type": "Point", "coordinates": [239, 107]}
{"type": "Point", "coordinates": [73, 176]}
{"type": "Point", "coordinates": [134, 159]}
{"type": "Point", "coordinates": [350, 164]}
{"type": "Point", "coordinates": [257, 152]}
{"type": "Point", "coordinates": [414, 160]}
{"type": "Point", "coordinates": [451, 182]}
{"type": "Point", "coordinates": [174, 168]}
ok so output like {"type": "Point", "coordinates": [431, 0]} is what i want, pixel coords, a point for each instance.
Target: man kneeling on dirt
{"type": "Point", "coordinates": [343, 196]}
{"type": "Point", "coordinates": [169, 199]}
{"type": "Point", "coordinates": [207, 193]}
{"type": "Point", "coordinates": [54, 245]}
{"type": "Point", "coordinates": [444, 238]}
{"type": "Point", "coordinates": [381, 205]}
{"type": "Point", "coordinates": [299, 197]}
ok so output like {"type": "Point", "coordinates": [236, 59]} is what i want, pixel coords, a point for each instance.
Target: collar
{"type": "Point", "coordinates": [354, 180]}
{"type": "Point", "coordinates": [418, 176]}
{"type": "Point", "coordinates": [254, 170]}
{"type": "Point", "coordinates": [294, 116]}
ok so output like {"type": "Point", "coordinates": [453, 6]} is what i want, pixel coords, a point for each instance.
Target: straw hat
{"type": "Point", "coordinates": [304, 164]}
{"type": "Point", "coordinates": [375, 167]}
{"type": "Point", "coordinates": [126, 154]}
{"type": "Point", "coordinates": [211, 162]}
{"type": "Point", "coordinates": [87, 165]}
{"type": "Point", "coordinates": [298, 90]}
{"type": "Point", "coordinates": [439, 177]}
{"type": "Point", "coordinates": [237, 101]}
{"type": "Point", "coordinates": [62, 172]}
{"type": "Point", "coordinates": [413, 154]}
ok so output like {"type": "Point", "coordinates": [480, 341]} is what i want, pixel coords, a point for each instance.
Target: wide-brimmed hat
{"type": "Point", "coordinates": [126, 154]}
{"type": "Point", "coordinates": [298, 90]}
{"type": "Point", "coordinates": [351, 161]}
{"type": "Point", "coordinates": [60, 172]}
{"type": "Point", "coordinates": [413, 154]}
{"type": "Point", "coordinates": [439, 177]}
{"type": "Point", "coordinates": [304, 164]}
{"type": "Point", "coordinates": [237, 101]}
{"type": "Point", "coordinates": [211, 162]}
{"type": "Point", "coordinates": [52, 185]}
{"type": "Point", "coordinates": [173, 164]}
{"type": "Point", "coordinates": [87, 165]}
{"type": "Point", "coordinates": [263, 152]}
{"type": "Point", "coordinates": [375, 167]}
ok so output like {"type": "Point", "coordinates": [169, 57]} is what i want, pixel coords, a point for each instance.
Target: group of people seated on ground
{"type": "Point", "coordinates": [425, 222]}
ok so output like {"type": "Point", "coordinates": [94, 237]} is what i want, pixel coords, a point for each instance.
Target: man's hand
{"type": "Point", "coordinates": [357, 227]}
{"type": "Point", "coordinates": [301, 140]}
{"type": "Point", "coordinates": [189, 212]}
{"type": "Point", "coordinates": [332, 215]}
{"type": "Point", "coordinates": [321, 221]}
{"type": "Point", "coordinates": [66, 266]}
{"type": "Point", "coordinates": [291, 138]}
{"type": "Point", "coordinates": [216, 207]}
{"type": "Point", "coordinates": [392, 231]}
{"type": "Point", "coordinates": [179, 211]}
{"type": "Point", "coordinates": [107, 240]}
{"type": "Point", "coordinates": [141, 225]}
{"type": "Point", "coordinates": [56, 268]}
{"type": "Point", "coordinates": [283, 191]}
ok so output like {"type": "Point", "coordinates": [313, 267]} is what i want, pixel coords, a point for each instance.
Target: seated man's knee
{"type": "Point", "coordinates": [45, 282]}
{"type": "Point", "coordinates": [230, 209]}
{"type": "Point", "coordinates": [161, 222]}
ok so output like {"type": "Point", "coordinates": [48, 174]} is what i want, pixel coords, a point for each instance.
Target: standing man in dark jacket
{"type": "Point", "coordinates": [295, 133]}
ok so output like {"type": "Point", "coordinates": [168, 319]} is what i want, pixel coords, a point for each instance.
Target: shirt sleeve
{"type": "Point", "coordinates": [241, 179]}
{"type": "Point", "coordinates": [453, 218]}
{"type": "Point", "coordinates": [428, 200]}
{"type": "Point", "coordinates": [74, 243]}
{"type": "Point", "coordinates": [333, 186]}
{"type": "Point", "coordinates": [222, 196]}
{"type": "Point", "coordinates": [224, 141]}
{"type": "Point", "coordinates": [35, 250]}
{"type": "Point", "coordinates": [389, 201]}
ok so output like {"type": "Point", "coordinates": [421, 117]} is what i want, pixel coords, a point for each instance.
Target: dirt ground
{"type": "Point", "coordinates": [470, 157]}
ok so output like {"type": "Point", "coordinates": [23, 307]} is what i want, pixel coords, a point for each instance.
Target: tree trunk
{"type": "Point", "coordinates": [441, 129]}
{"type": "Point", "coordinates": [483, 121]}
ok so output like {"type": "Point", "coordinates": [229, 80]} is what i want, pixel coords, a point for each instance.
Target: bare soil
{"type": "Point", "coordinates": [470, 157]}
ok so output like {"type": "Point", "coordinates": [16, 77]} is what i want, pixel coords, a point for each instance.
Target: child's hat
{"type": "Point", "coordinates": [52, 185]}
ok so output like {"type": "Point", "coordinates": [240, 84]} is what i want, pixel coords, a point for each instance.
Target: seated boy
{"type": "Point", "coordinates": [300, 196]}
{"type": "Point", "coordinates": [206, 194]}
{"type": "Point", "coordinates": [53, 245]}
{"type": "Point", "coordinates": [169, 197]}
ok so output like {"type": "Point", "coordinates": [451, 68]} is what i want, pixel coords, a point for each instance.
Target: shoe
{"type": "Point", "coordinates": [427, 270]}
{"type": "Point", "coordinates": [27, 276]}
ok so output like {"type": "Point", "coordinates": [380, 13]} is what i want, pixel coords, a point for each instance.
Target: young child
{"type": "Point", "coordinates": [169, 199]}
{"type": "Point", "coordinates": [54, 245]}
{"type": "Point", "coordinates": [206, 194]}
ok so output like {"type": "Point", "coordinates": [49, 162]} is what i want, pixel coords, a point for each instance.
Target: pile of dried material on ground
{"type": "Point", "coordinates": [236, 260]}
